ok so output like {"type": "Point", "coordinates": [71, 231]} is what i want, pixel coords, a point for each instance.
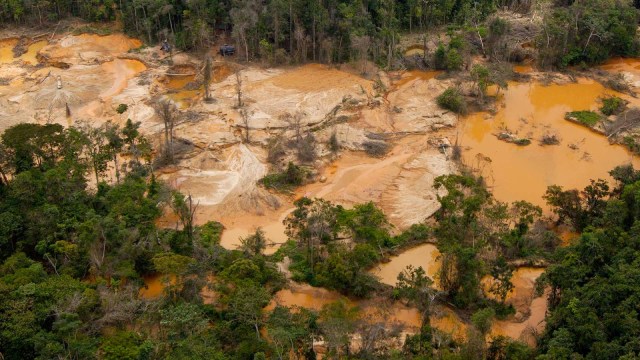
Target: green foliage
{"type": "Point", "coordinates": [122, 108]}
{"type": "Point", "coordinates": [612, 105]}
{"type": "Point", "coordinates": [586, 118]}
{"type": "Point", "coordinates": [595, 280]}
{"type": "Point", "coordinates": [503, 348]}
{"type": "Point", "coordinates": [453, 100]}
{"type": "Point", "coordinates": [482, 319]}
{"type": "Point", "coordinates": [587, 32]}
{"type": "Point", "coordinates": [578, 208]}
{"type": "Point", "coordinates": [169, 263]}
{"type": "Point", "coordinates": [287, 180]}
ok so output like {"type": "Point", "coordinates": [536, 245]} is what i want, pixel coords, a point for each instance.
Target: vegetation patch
{"type": "Point", "coordinates": [586, 118]}
{"type": "Point", "coordinates": [550, 139]}
{"type": "Point", "coordinates": [376, 148]}
{"type": "Point", "coordinates": [612, 105]}
{"type": "Point", "coordinates": [287, 180]}
{"type": "Point", "coordinates": [513, 139]}
{"type": "Point", "coordinates": [452, 100]}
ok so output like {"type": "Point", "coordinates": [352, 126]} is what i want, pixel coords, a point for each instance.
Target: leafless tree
{"type": "Point", "coordinates": [207, 78]}
{"type": "Point", "coordinates": [169, 115]}
{"type": "Point", "coordinates": [240, 103]}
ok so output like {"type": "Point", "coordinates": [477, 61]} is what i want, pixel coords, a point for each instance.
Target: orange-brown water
{"type": "Point", "coordinates": [180, 95]}
{"type": "Point", "coordinates": [622, 64]}
{"type": "Point", "coordinates": [528, 306]}
{"type": "Point", "coordinates": [6, 50]}
{"type": "Point", "coordinates": [274, 231]}
{"type": "Point", "coordinates": [413, 75]}
{"type": "Point", "coordinates": [30, 57]}
{"type": "Point", "coordinates": [154, 285]}
{"type": "Point", "coordinates": [425, 256]}
{"type": "Point", "coordinates": [530, 111]}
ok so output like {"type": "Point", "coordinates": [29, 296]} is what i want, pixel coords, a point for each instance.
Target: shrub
{"type": "Point", "coordinates": [612, 105]}
{"type": "Point", "coordinates": [334, 144]}
{"type": "Point", "coordinates": [307, 148]}
{"type": "Point", "coordinates": [276, 149]}
{"type": "Point", "coordinates": [440, 57]}
{"type": "Point", "coordinates": [122, 108]}
{"type": "Point", "coordinates": [587, 118]}
{"type": "Point", "coordinates": [550, 139]}
{"type": "Point", "coordinates": [376, 148]}
{"type": "Point", "coordinates": [454, 60]}
{"type": "Point", "coordinates": [292, 177]}
{"type": "Point", "coordinates": [451, 99]}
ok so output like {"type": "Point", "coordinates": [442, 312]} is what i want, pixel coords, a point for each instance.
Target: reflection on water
{"type": "Point", "coordinates": [531, 111]}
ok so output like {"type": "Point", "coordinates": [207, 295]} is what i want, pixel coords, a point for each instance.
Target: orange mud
{"type": "Point", "coordinates": [86, 46]}
{"type": "Point", "coordinates": [122, 71]}
{"type": "Point", "coordinates": [409, 76]}
{"type": "Point", "coordinates": [415, 50]}
{"type": "Point", "coordinates": [446, 320]}
{"type": "Point", "coordinates": [425, 255]}
{"type": "Point", "coordinates": [530, 111]}
{"type": "Point", "coordinates": [316, 77]}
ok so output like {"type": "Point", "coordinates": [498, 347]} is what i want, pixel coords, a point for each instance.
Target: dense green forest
{"type": "Point", "coordinates": [285, 31]}
{"type": "Point", "coordinates": [73, 254]}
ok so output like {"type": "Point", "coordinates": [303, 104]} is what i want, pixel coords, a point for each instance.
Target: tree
{"type": "Point", "coordinates": [244, 16]}
{"type": "Point", "coordinates": [186, 210]}
{"type": "Point", "coordinates": [417, 288]}
{"type": "Point", "coordinates": [291, 331]}
{"type": "Point", "coordinates": [337, 322]}
{"type": "Point", "coordinates": [254, 244]}
{"type": "Point", "coordinates": [168, 113]}
{"type": "Point", "coordinates": [208, 70]}
{"type": "Point", "coordinates": [246, 304]}
{"type": "Point", "coordinates": [501, 284]}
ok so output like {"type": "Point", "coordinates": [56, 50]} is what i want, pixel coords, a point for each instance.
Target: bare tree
{"type": "Point", "coordinates": [362, 44]}
{"type": "Point", "coordinates": [186, 210]}
{"type": "Point", "coordinates": [208, 68]}
{"type": "Point", "coordinates": [244, 115]}
{"type": "Point", "coordinates": [239, 104]}
{"type": "Point", "coordinates": [168, 113]}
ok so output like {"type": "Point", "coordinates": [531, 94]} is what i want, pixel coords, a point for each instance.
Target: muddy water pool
{"type": "Point", "coordinates": [531, 110]}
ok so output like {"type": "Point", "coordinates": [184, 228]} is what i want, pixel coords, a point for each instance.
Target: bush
{"type": "Point", "coordinates": [292, 177]}
{"type": "Point", "coordinates": [376, 148]}
{"type": "Point", "coordinates": [587, 118]}
{"type": "Point", "coordinates": [454, 60]}
{"type": "Point", "coordinates": [612, 105]}
{"type": "Point", "coordinates": [307, 148]}
{"type": "Point", "coordinates": [122, 108]}
{"type": "Point", "coordinates": [276, 149]}
{"type": "Point", "coordinates": [451, 99]}
{"type": "Point", "coordinates": [334, 144]}
{"type": "Point", "coordinates": [440, 57]}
